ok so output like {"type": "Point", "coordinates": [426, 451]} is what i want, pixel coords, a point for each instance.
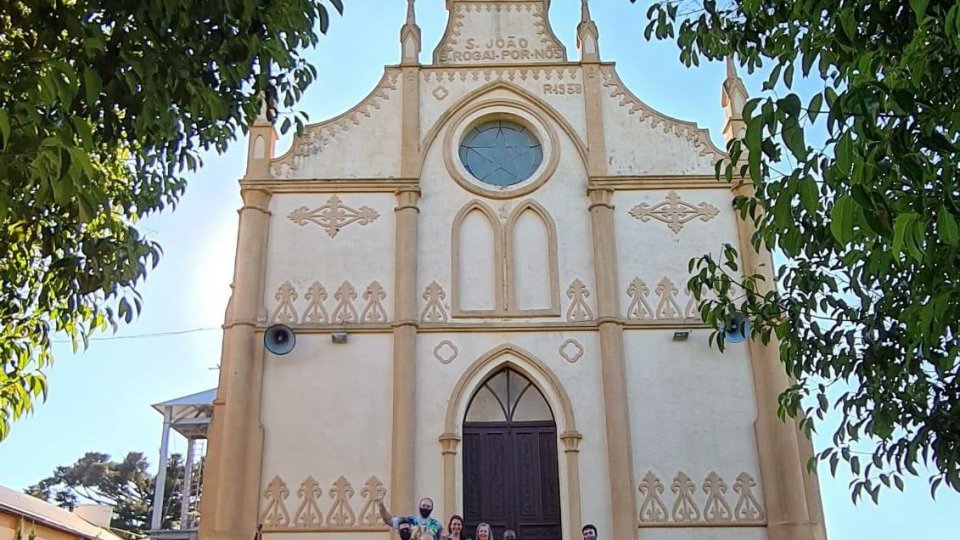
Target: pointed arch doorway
{"type": "Point", "coordinates": [510, 471]}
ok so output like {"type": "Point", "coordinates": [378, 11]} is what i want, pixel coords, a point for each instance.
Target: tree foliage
{"type": "Point", "coordinates": [868, 306]}
{"type": "Point", "coordinates": [105, 106]}
{"type": "Point", "coordinates": [125, 485]}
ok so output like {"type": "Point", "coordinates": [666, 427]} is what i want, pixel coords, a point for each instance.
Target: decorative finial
{"type": "Point", "coordinates": [411, 13]}
{"type": "Point", "coordinates": [733, 97]}
{"type": "Point", "coordinates": [587, 35]}
{"type": "Point", "coordinates": [263, 118]}
{"type": "Point", "coordinates": [731, 68]}
{"type": "Point", "coordinates": [410, 38]}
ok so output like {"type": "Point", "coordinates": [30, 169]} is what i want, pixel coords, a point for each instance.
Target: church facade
{"type": "Point", "coordinates": [484, 264]}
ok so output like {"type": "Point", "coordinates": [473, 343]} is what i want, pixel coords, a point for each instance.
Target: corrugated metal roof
{"type": "Point", "coordinates": [200, 398]}
{"type": "Point", "coordinates": [40, 511]}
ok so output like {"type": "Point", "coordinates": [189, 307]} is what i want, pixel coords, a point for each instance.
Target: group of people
{"type": "Point", "coordinates": [425, 527]}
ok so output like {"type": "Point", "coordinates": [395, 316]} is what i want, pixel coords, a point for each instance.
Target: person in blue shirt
{"type": "Point", "coordinates": [424, 526]}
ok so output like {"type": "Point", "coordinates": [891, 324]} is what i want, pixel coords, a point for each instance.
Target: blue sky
{"type": "Point", "coordinates": [100, 399]}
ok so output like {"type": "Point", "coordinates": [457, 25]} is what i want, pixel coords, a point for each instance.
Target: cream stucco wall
{"type": "Point", "coordinates": [358, 254]}
{"type": "Point", "coordinates": [692, 410]}
{"type": "Point", "coordinates": [330, 149]}
{"type": "Point", "coordinates": [642, 141]}
{"type": "Point", "coordinates": [326, 415]}
{"type": "Point", "coordinates": [706, 533]}
{"type": "Point", "coordinates": [651, 251]}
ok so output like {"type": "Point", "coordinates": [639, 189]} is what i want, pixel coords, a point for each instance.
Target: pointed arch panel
{"type": "Point", "coordinates": [532, 273]}
{"type": "Point", "coordinates": [477, 261]}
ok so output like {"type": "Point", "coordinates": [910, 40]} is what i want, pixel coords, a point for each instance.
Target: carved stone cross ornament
{"type": "Point", "coordinates": [333, 216]}
{"type": "Point", "coordinates": [674, 212]}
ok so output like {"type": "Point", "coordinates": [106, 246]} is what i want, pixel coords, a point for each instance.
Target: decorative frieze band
{"type": "Point", "coordinates": [558, 73]}
{"type": "Point", "coordinates": [689, 509]}
{"type": "Point", "coordinates": [309, 516]}
{"type": "Point", "coordinates": [344, 311]}
{"type": "Point", "coordinates": [663, 303]}
{"type": "Point", "coordinates": [640, 305]}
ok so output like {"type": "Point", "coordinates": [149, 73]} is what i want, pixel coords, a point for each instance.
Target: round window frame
{"type": "Point", "coordinates": [507, 110]}
{"type": "Point", "coordinates": [507, 123]}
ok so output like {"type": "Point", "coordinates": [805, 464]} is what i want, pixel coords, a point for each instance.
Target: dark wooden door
{"type": "Point", "coordinates": [510, 476]}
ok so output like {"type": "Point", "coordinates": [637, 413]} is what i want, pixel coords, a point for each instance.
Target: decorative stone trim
{"type": "Point", "coordinates": [546, 42]}
{"type": "Point", "coordinates": [571, 350]}
{"type": "Point", "coordinates": [434, 311]}
{"type": "Point", "coordinates": [374, 311]}
{"type": "Point", "coordinates": [674, 212]}
{"type": "Point", "coordinates": [285, 312]}
{"type": "Point", "coordinates": [333, 216]}
{"type": "Point", "coordinates": [688, 511]}
{"type": "Point", "coordinates": [552, 73]}
{"type": "Point", "coordinates": [578, 310]}
{"type": "Point", "coordinates": [667, 307]}
{"type": "Point", "coordinates": [446, 351]}
{"type": "Point", "coordinates": [345, 312]}
{"type": "Point", "coordinates": [571, 441]}
{"type": "Point", "coordinates": [309, 517]}
{"type": "Point", "coordinates": [316, 314]}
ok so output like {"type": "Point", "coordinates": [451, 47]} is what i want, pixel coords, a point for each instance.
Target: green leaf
{"type": "Point", "coordinates": [793, 137]}
{"type": "Point", "coordinates": [790, 104]}
{"type": "Point", "coordinates": [919, 8]}
{"type": "Point", "coordinates": [947, 226]}
{"type": "Point", "coordinates": [91, 86]}
{"type": "Point", "coordinates": [842, 218]}
{"type": "Point", "coordinates": [848, 23]}
{"type": "Point", "coordinates": [4, 128]}
{"type": "Point", "coordinates": [809, 194]}
{"type": "Point", "coordinates": [902, 226]}
{"type": "Point", "coordinates": [844, 153]}
{"type": "Point", "coordinates": [813, 109]}
{"type": "Point", "coordinates": [324, 20]}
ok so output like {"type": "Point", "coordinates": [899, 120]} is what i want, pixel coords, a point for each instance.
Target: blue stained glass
{"type": "Point", "coordinates": [500, 153]}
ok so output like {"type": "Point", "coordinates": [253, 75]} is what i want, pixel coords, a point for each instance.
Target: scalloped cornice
{"type": "Point", "coordinates": [316, 136]}
{"type": "Point", "coordinates": [690, 131]}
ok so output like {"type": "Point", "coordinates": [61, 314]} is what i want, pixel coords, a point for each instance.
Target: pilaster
{"type": "Point", "coordinates": [404, 352]}
{"type": "Point", "coordinates": [613, 367]}
{"type": "Point", "coordinates": [791, 493]}
{"type": "Point", "coordinates": [571, 450]}
{"type": "Point", "coordinates": [232, 475]}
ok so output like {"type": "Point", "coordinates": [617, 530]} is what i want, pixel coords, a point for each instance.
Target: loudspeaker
{"type": "Point", "coordinates": [279, 339]}
{"type": "Point", "coordinates": [736, 329]}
